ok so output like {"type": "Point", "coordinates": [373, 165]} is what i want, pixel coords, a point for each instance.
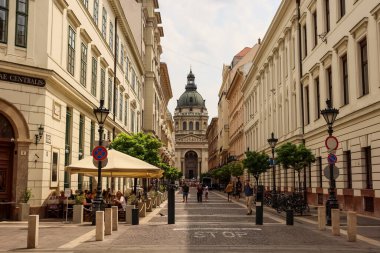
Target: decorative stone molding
{"type": "Point", "coordinates": [103, 62]}
{"type": "Point", "coordinates": [85, 37]}
{"type": "Point", "coordinates": [314, 71]}
{"type": "Point", "coordinates": [61, 4]}
{"type": "Point", "coordinates": [375, 12]}
{"type": "Point", "coordinates": [95, 50]}
{"type": "Point", "coordinates": [73, 18]}
{"type": "Point", "coordinates": [360, 28]}
{"type": "Point", "coordinates": [341, 46]}
{"type": "Point", "coordinates": [326, 59]}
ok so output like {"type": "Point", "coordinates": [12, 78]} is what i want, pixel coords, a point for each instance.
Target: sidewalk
{"type": "Point", "coordinates": [368, 228]}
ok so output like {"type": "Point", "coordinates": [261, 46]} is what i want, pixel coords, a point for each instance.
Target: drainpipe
{"type": "Point", "coordinates": [114, 80]}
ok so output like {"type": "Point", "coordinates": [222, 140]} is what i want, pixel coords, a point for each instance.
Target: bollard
{"type": "Point", "coordinates": [321, 217]}
{"type": "Point", "coordinates": [99, 236]}
{"type": "Point", "coordinates": [135, 216]}
{"type": "Point", "coordinates": [289, 217]}
{"type": "Point", "coordinates": [33, 231]}
{"type": "Point", "coordinates": [171, 206]}
{"type": "Point", "coordinates": [149, 205]}
{"type": "Point", "coordinates": [115, 218]}
{"type": "Point", "coordinates": [259, 213]}
{"type": "Point", "coordinates": [142, 209]}
{"type": "Point", "coordinates": [351, 226]}
{"type": "Point", "coordinates": [128, 214]}
{"type": "Point", "coordinates": [108, 221]}
{"type": "Point", "coordinates": [335, 221]}
{"type": "Point", "coordinates": [78, 214]}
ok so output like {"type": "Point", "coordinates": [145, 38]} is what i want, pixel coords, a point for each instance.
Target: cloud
{"type": "Point", "coordinates": [205, 34]}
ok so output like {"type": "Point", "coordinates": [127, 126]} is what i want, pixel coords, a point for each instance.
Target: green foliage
{"type": "Point", "coordinates": [296, 157]}
{"type": "Point", "coordinates": [79, 199]}
{"type": "Point", "coordinates": [222, 173]}
{"type": "Point", "coordinates": [140, 145]}
{"type": "Point", "coordinates": [171, 173]}
{"type": "Point", "coordinates": [26, 195]}
{"type": "Point", "coordinates": [236, 168]}
{"type": "Point", "coordinates": [256, 163]}
{"type": "Point", "coordinates": [207, 174]}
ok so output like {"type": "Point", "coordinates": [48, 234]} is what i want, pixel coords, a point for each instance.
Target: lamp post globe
{"type": "Point", "coordinates": [101, 114]}
{"type": "Point", "coordinates": [330, 114]}
{"type": "Point", "coordinates": [272, 143]}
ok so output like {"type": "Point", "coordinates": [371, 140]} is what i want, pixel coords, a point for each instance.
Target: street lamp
{"type": "Point", "coordinates": [330, 114]}
{"type": "Point", "coordinates": [101, 114]}
{"type": "Point", "coordinates": [272, 143]}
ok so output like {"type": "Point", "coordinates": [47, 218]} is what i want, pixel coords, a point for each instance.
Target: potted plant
{"type": "Point", "coordinates": [24, 205]}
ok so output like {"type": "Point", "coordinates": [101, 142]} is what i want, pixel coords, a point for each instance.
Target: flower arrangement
{"type": "Point", "coordinates": [79, 199]}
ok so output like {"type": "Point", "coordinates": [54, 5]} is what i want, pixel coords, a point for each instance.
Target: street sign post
{"type": "Point", "coordinates": [326, 172]}
{"type": "Point", "coordinates": [99, 153]}
{"type": "Point", "coordinates": [103, 163]}
{"type": "Point", "coordinates": [331, 143]}
{"type": "Point", "coordinates": [332, 159]}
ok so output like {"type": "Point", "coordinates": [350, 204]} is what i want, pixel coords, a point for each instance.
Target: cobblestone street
{"type": "Point", "coordinates": [212, 226]}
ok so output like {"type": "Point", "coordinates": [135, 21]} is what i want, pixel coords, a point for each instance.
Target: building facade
{"type": "Point", "coordinates": [314, 51]}
{"type": "Point", "coordinates": [55, 68]}
{"type": "Point", "coordinates": [190, 119]}
{"type": "Point", "coordinates": [212, 138]}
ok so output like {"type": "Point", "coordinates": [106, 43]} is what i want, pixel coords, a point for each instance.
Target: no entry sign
{"type": "Point", "coordinates": [99, 153]}
{"type": "Point", "coordinates": [331, 143]}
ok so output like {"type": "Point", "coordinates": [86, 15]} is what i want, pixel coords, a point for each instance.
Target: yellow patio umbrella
{"type": "Point", "coordinates": [118, 165]}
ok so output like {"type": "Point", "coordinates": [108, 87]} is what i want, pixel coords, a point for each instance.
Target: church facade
{"type": "Point", "coordinates": [191, 117]}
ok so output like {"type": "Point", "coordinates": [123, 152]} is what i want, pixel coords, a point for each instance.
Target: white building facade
{"type": "Point", "coordinates": [330, 51]}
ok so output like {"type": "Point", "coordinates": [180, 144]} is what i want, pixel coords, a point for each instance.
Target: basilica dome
{"type": "Point", "coordinates": [191, 97]}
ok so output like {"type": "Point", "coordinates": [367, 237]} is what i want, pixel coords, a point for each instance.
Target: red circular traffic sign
{"type": "Point", "coordinates": [99, 153]}
{"type": "Point", "coordinates": [331, 143]}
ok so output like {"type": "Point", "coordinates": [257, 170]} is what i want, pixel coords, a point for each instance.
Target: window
{"type": "Point", "coordinates": [126, 112]}
{"type": "Point", "coordinates": [304, 31]}
{"type": "Point", "coordinates": [122, 56]}
{"type": "Point", "coordinates": [191, 125]}
{"type": "Point", "coordinates": [329, 84]}
{"type": "Point", "coordinates": [320, 178]}
{"type": "Point", "coordinates": [315, 27]}
{"type": "Point", "coordinates": [92, 138]}
{"type": "Point", "coordinates": [85, 3]}
{"type": "Point", "coordinates": [83, 65]}
{"type": "Point", "coordinates": [71, 51]}
{"type": "Point", "coordinates": [121, 103]}
{"type": "Point", "coordinates": [342, 8]}
{"type": "Point", "coordinates": [197, 125]}
{"type": "Point", "coordinates": [21, 22]}
{"type": "Point", "coordinates": [347, 166]}
{"type": "Point", "coordinates": [133, 80]}
{"type": "Point", "coordinates": [67, 145]}
{"type": "Point", "coordinates": [117, 49]}
{"type": "Point", "coordinates": [54, 168]}
{"type": "Point", "coordinates": [317, 99]}
{"type": "Point", "coordinates": [364, 67]}
{"type": "Point", "coordinates": [94, 76]}
{"type": "Point", "coordinates": [110, 43]}
{"type": "Point", "coordinates": [104, 23]}
{"type": "Point", "coordinates": [110, 94]}
{"type": "Point", "coordinates": [132, 120]}
{"type": "Point", "coordinates": [96, 11]}
{"type": "Point", "coordinates": [102, 84]}
{"type": "Point", "coordinates": [327, 13]}
{"type": "Point", "coordinates": [368, 167]}
{"type": "Point", "coordinates": [116, 103]}
{"type": "Point", "coordinates": [307, 105]}
{"type": "Point", "coordinates": [126, 68]}
{"type": "Point", "coordinates": [81, 137]}
{"type": "Point", "coordinates": [4, 21]}
{"type": "Point", "coordinates": [184, 126]}
{"type": "Point", "coordinates": [343, 60]}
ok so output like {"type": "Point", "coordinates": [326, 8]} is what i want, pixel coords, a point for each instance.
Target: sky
{"type": "Point", "coordinates": [204, 35]}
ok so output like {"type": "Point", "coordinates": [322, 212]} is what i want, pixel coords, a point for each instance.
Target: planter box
{"type": "Point", "coordinates": [128, 214]}
{"type": "Point", "coordinates": [78, 214]}
{"type": "Point", "coordinates": [23, 214]}
{"type": "Point", "coordinates": [142, 209]}
{"type": "Point", "coordinates": [149, 205]}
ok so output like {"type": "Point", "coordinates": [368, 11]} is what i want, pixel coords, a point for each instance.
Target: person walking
{"type": "Point", "coordinates": [199, 192]}
{"type": "Point", "coordinates": [248, 191]}
{"type": "Point", "coordinates": [228, 190]}
{"type": "Point", "coordinates": [206, 192]}
{"type": "Point", "coordinates": [239, 187]}
{"type": "Point", "coordinates": [185, 192]}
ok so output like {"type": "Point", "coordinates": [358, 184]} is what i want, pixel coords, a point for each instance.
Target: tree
{"type": "Point", "coordinates": [296, 157]}
{"type": "Point", "coordinates": [140, 145]}
{"type": "Point", "coordinates": [257, 163]}
{"type": "Point", "coordinates": [222, 174]}
{"type": "Point", "coordinates": [236, 169]}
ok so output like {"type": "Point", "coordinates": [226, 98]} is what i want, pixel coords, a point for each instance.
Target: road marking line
{"type": "Point", "coordinates": [224, 229]}
{"type": "Point", "coordinates": [74, 243]}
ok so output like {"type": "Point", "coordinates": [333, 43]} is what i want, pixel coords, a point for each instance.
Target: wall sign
{"type": "Point", "coordinates": [9, 77]}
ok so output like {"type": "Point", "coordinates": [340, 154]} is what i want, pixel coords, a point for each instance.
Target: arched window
{"type": "Point", "coordinates": [191, 127]}
{"type": "Point", "coordinates": [191, 100]}
{"type": "Point", "coordinates": [184, 125]}
{"type": "Point", "coordinates": [197, 125]}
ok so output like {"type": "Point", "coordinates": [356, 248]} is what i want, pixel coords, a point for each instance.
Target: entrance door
{"type": "Point", "coordinates": [6, 166]}
{"type": "Point", "coordinates": [191, 160]}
